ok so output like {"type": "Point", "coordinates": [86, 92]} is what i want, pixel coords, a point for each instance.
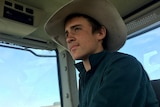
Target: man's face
{"type": "Point", "coordinates": [81, 42]}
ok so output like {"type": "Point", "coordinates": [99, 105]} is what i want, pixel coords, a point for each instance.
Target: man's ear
{"type": "Point", "coordinates": [102, 33]}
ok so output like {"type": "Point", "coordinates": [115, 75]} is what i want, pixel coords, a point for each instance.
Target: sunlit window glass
{"type": "Point", "coordinates": [27, 80]}
{"type": "Point", "coordinates": [145, 48]}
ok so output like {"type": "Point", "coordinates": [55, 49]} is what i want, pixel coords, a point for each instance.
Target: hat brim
{"type": "Point", "coordinates": [101, 10]}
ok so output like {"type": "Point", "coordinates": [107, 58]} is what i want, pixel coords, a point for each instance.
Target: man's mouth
{"type": "Point", "coordinates": [73, 47]}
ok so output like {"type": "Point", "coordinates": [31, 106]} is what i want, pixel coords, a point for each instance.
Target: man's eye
{"type": "Point", "coordinates": [77, 28]}
{"type": "Point", "coordinates": [66, 34]}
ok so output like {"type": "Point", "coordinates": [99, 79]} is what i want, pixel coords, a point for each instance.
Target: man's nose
{"type": "Point", "coordinates": [70, 38]}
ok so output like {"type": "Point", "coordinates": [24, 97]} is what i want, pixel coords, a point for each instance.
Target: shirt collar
{"type": "Point", "coordinates": [94, 61]}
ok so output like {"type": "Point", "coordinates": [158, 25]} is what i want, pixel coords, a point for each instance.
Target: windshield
{"type": "Point", "coordinates": [27, 80]}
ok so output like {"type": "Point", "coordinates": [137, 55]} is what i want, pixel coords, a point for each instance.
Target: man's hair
{"type": "Point", "coordinates": [96, 26]}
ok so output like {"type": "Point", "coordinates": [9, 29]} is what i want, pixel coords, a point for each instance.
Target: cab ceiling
{"type": "Point", "coordinates": [125, 7]}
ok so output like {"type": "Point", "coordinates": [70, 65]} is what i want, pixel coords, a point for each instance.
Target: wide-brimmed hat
{"type": "Point", "coordinates": [101, 10]}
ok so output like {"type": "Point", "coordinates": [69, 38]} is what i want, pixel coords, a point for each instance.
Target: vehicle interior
{"type": "Point", "coordinates": [22, 24]}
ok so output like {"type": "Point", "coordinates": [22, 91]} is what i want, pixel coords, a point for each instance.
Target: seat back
{"type": "Point", "coordinates": [156, 87]}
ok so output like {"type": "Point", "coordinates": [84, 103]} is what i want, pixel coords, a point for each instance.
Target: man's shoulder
{"type": "Point", "coordinates": [118, 55]}
{"type": "Point", "coordinates": [121, 58]}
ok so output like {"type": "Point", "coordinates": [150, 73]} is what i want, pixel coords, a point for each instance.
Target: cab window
{"type": "Point", "coordinates": [27, 80]}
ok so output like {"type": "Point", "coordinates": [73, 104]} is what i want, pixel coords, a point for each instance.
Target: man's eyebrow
{"type": "Point", "coordinates": [77, 25]}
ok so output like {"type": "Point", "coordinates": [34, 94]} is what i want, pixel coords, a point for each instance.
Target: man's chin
{"type": "Point", "coordinates": [76, 57]}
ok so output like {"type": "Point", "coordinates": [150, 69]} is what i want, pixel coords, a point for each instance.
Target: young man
{"type": "Point", "coordinates": [93, 31]}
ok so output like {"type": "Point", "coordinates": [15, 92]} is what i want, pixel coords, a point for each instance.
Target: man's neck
{"type": "Point", "coordinates": [87, 65]}
{"type": "Point", "coordinates": [86, 61]}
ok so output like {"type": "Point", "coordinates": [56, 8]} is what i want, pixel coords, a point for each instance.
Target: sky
{"type": "Point", "coordinates": [27, 80]}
